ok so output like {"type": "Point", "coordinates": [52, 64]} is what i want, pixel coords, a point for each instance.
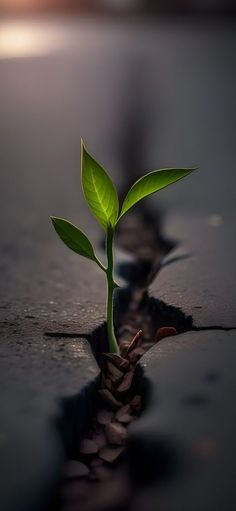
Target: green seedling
{"type": "Point", "coordinates": [101, 196]}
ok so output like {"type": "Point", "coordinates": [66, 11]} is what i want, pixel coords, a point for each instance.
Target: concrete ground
{"type": "Point", "coordinates": [142, 96]}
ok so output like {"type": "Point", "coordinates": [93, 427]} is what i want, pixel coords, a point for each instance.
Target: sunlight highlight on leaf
{"type": "Point", "coordinates": [99, 191]}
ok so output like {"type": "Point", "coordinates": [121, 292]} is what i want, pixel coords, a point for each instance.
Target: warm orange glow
{"type": "Point", "coordinates": [23, 39]}
{"type": "Point", "coordinates": [19, 6]}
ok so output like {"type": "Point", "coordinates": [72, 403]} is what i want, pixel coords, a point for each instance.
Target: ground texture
{"type": "Point", "coordinates": [142, 96]}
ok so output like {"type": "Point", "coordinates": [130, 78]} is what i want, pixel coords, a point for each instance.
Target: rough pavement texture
{"type": "Point", "coordinates": [44, 287]}
{"type": "Point", "coordinates": [186, 436]}
{"type": "Point", "coordinates": [43, 388]}
{"type": "Point", "coordinates": [202, 281]}
{"type": "Point", "coordinates": [174, 117]}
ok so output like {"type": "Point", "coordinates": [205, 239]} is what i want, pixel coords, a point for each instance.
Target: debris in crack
{"type": "Point", "coordinates": [165, 331]}
{"type": "Point", "coordinates": [104, 483]}
{"type": "Point", "coordinates": [102, 451]}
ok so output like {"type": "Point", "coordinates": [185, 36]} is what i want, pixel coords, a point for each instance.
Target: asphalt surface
{"type": "Point", "coordinates": [142, 96]}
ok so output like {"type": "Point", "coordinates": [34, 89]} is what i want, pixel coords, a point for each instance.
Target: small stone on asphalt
{"type": "Point", "coordinates": [126, 418]}
{"type": "Point", "coordinates": [88, 447]}
{"type": "Point", "coordinates": [104, 416]}
{"type": "Point", "coordinates": [100, 439]}
{"type": "Point", "coordinates": [116, 433]}
{"type": "Point", "coordinates": [118, 361]}
{"type": "Point", "coordinates": [124, 410]}
{"type": "Point", "coordinates": [136, 402]}
{"type": "Point", "coordinates": [126, 383]}
{"type": "Point", "coordinates": [165, 331]}
{"type": "Point", "coordinates": [114, 374]}
{"type": "Point", "coordinates": [110, 454]}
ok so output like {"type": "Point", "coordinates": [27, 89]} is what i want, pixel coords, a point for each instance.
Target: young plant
{"type": "Point", "coordinates": [101, 196]}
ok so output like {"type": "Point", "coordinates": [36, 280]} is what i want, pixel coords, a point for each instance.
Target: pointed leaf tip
{"type": "Point", "coordinates": [99, 190]}
{"type": "Point", "coordinates": [151, 183]}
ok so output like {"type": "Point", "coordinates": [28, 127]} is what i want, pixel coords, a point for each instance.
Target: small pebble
{"type": "Point", "coordinates": [117, 360]}
{"type": "Point", "coordinates": [88, 447]}
{"type": "Point", "coordinates": [123, 410]}
{"type": "Point", "coordinates": [104, 416]}
{"type": "Point", "coordinates": [114, 373]}
{"type": "Point", "coordinates": [110, 454]}
{"type": "Point", "coordinates": [126, 382]}
{"type": "Point", "coordinates": [126, 418]}
{"type": "Point", "coordinates": [136, 403]}
{"type": "Point", "coordinates": [164, 331]}
{"type": "Point", "coordinates": [100, 439]}
{"type": "Point", "coordinates": [135, 355]}
{"type": "Point", "coordinates": [116, 433]}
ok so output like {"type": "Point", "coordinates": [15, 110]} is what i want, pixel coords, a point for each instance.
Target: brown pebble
{"type": "Point", "coordinates": [108, 397]}
{"type": "Point", "coordinates": [135, 355]}
{"type": "Point", "coordinates": [100, 439]}
{"type": "Point", "coordinates": [88, 447]}
{"type": "Point", "coordinates": [74, 469]}
{"type": "Point", "coordinates": [117, 360]}
{"type": "Point", "coordinates": [116, 433]}
{"type": "Point", "coordinates": [126, 382]}
{"type": "Point", "coordinates": [110, 454]}
{"type": "Point", "coordinates": [114, 373]}
{"type": "Point", "coordinates": [136, 402]}
{"type": "Point", "coordinates": [104, 416]}
{"type": "Point", "coordinates": [126, 418]}
{"type": "Point", "coordinates": [165, 331]}
{"type": "Point", "coordinates": [123, 410]}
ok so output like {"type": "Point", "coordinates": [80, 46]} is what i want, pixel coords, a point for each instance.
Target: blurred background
{"type": "Point", "coordinates": [146, 83]}
{"type": "Point", "coordinates": [125, 6]}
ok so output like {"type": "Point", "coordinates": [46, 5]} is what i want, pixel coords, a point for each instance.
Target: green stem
{"type": "Point", "coordinates": [113, 346]}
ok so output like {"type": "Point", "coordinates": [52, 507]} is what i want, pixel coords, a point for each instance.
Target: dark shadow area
{"type": "Point", "coordinates": [155, 460]}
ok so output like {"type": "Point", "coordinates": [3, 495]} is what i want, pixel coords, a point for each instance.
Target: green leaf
{"type": "Point", "coordinates": [75, 239]}
{"type": "Point", "coordinates": [151, 183]}
{"type": "Point", "coordinates": [99, 191]}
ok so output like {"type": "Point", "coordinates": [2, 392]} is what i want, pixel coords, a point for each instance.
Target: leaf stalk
{"type": "Point", "coordinates": [113, 345]}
